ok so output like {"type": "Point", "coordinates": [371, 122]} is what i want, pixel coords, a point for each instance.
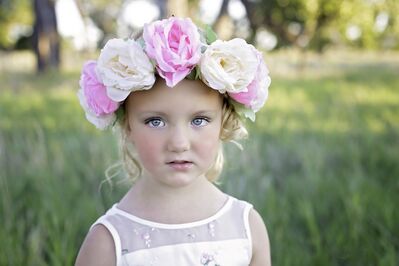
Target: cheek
{"type": "Point", "coordinates": [147, 148]}
{"type": "Point", "coordinates": [208, 145]}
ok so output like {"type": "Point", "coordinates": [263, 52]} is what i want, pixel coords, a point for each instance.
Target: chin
{"type": "Point", "coordinates": [180, 180]}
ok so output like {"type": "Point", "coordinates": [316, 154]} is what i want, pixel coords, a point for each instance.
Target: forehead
{"type": "Point", "coordinates": [189, 95]}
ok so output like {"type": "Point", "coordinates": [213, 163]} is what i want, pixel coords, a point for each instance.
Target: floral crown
{"type": "Point", "coordinates": [175, 49]}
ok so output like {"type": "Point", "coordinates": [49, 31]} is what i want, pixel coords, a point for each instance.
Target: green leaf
{"type": "Point", "coordinates": [197, 72]}
{"type": "Point", "coordinates": [248, 113]}
{"type": "Point", "coordinates": [141, 42]}
{"type": "Point", "coordinates": [242, 110]}
{"type": "Point", "coordinates": [194, 74]}
{"type": "Point", "coordinates": [120, 112]}
{"type": "Point", "coordinates": [210, 35]}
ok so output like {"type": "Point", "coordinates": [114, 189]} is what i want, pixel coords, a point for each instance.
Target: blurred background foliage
{"type": "Point", "coordinates": [321, 164]}
{"type": "Point", "coordinates": [13, 13]}
{"type": "Point", "coordinates": [309, 24]}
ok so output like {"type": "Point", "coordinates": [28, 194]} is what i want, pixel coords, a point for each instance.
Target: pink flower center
{"type": "Point", "coordinates": [174, 38]}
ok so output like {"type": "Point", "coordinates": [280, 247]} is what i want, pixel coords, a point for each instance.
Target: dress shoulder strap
{"type": "Point", "coordinates": [242, 209]}
{"type": "Point", "coordinates": [107, 221]}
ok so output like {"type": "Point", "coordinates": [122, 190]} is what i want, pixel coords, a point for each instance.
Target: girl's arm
{"type": "Point", "coordinates": [260, 240]}
{"type": "Point", "coordinates": [97, 249]}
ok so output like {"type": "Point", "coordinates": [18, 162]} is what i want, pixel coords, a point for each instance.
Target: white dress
{"type": "Point", "coordinates": [223, 239]}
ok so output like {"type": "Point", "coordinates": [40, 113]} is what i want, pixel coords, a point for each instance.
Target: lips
{"type": "Point", "coordinates": [180, 165]}
{"type": "Point", "coordinates": [179, 161]}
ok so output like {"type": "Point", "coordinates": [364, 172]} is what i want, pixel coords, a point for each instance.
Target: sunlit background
{"type": "Point", "coordinates": [322, 161]}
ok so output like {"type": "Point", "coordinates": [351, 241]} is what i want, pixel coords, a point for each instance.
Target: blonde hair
{"type": "Point", "coordinates": [232, 129]}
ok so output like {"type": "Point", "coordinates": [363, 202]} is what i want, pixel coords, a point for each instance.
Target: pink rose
{"type": "Point", "coordinates": [175, 46]}
{"type": "Point", "coordinates": [256, 93]}
{"type": "Point", "coordinates": [95, 92]}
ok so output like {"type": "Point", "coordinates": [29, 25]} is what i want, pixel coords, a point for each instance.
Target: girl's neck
{"type": "Point", "coordinates": [173, 205]}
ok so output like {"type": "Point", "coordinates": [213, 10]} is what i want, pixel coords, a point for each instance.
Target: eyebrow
{"type": "Point", "coordinates": [203, 112]}
{"type": "Point", "coordinates": [152, 113]}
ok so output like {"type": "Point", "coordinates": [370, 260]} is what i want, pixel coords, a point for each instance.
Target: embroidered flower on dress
{"type": "Point", "coordinates": [209, 260]}
{"type": "Point", "coordinates": [145, 234]}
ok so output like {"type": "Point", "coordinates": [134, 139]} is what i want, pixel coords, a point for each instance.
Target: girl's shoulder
{"type": "Point", "coordinates": [260, 239]}
{"type": "Point", "coordinates": [97, 249]}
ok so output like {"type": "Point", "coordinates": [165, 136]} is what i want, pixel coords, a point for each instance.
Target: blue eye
{"type": "Point", "coordinates": [155, 122]}
{"type": "Point", "coordinates": [200, 121]}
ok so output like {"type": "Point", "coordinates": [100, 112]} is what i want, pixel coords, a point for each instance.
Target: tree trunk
{"type": "Point", "coordinates": [178, 8]}
{"type": "Point", "coordinates": [46, 41]}
{"type": "Point", "coordinates": [223, 24]}
{"type": "Point", "coordinates": [253, 24]}
{"type": "Point", "coordinates": [223, 10]}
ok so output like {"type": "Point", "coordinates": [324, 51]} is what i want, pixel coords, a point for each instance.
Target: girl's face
{"type": "Point", "coordinates": [175, 130]}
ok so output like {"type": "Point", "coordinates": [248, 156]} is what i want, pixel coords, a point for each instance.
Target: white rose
{"type": "Point", "coordinates": [228, 65]}
{"type": "Point", "coordinates": [102, 122]}
{"type": "Point", "coordinates": [123, 67]}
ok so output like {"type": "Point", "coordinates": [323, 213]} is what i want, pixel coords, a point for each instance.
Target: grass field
{"type": "Point", "coordinates": [321, 164]}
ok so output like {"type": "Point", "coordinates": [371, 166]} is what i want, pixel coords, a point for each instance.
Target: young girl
{"type": "Point", "coordinates": [177, 94]}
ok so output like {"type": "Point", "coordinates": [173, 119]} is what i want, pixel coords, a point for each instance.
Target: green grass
{"type": "Point", "coordinates": [321, 164]}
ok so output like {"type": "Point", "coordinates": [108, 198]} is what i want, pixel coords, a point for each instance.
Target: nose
{"type": "Point", "coordinates": [179, 140]}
